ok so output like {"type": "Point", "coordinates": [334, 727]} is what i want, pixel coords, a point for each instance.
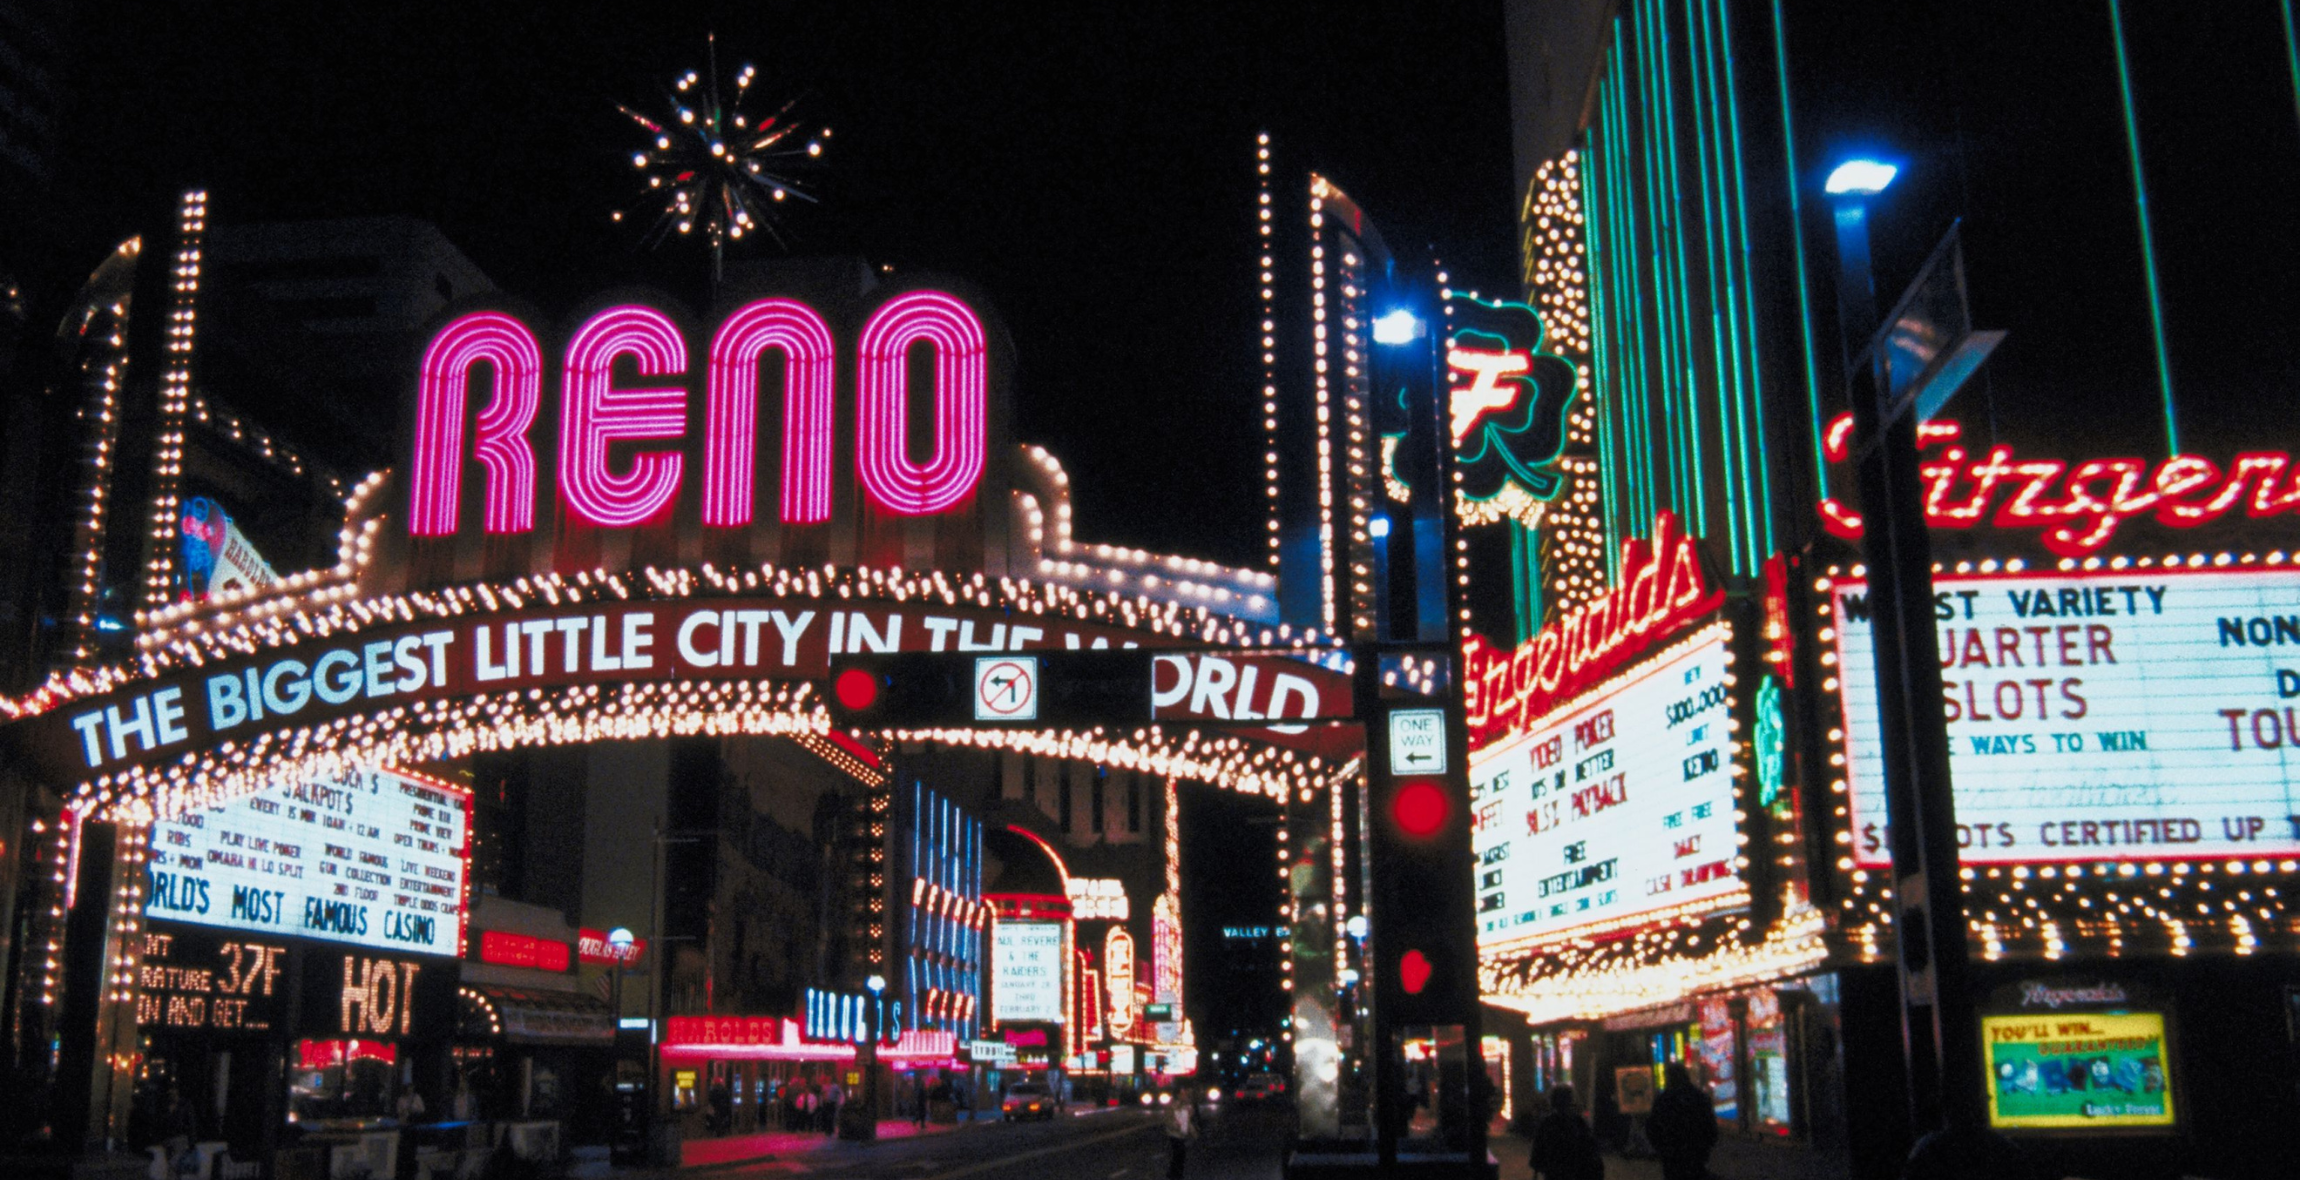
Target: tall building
{"type": "Point", "coordinates": [1681, 240]}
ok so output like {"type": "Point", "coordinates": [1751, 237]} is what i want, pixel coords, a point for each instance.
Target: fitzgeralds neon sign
{"type": "Point", "coordinates": [1505, 399]}
{"type": "Point", "coordinates": [621, 453]}
{"type": "Point", "coordinates": [2077, 510]}
{"type": "Point", "coordinates": [1662, 588]}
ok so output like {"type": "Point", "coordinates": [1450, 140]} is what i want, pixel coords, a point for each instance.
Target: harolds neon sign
{"type": "Point", "coordinates": [1662, 587]}
{"type": "Point", "coordinates": [2077, 511]}
{"type": "Point", "coordinates": [595, 415]}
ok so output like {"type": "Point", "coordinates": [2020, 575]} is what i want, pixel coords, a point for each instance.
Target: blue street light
{"type": "Point", "coordinates": [1397, 327]}
{"type": "Point", "coordinates": [1860, 178]}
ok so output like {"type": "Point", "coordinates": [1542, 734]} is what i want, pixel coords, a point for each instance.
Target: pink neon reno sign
{"type": "Point", "coordinates": [624, 418]}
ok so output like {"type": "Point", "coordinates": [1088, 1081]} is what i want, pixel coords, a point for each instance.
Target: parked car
{"type": "Point", "coordinates": [1027, 1100]}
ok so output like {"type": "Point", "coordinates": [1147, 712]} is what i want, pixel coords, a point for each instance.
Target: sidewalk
{"type": "Point", "coordinates": [1734, 1159]}
{"type": "Point", "coordinates": [590, 1163]}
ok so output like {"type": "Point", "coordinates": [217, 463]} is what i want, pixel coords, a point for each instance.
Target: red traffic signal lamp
{"type": "Point", "coordinates": [1420, 807]}
{"type": "Point", "coordinates": [1414, 971]}
{"type": "Point", "coordinates": [1424, 937]}
{"type": "Point", "coordinates": [855, 689]}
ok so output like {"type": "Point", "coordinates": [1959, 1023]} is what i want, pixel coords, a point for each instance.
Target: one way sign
{"type": "Point", "coordinates": [1417, 741]}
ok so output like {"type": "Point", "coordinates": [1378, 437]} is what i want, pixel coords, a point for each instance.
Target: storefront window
{"type": "Point", "coordinates": [343, 1080]}
{"type": "Point", "coordinates": [1768, 1064]}
{"type": "Point", "coordinates": [1719, 1049]}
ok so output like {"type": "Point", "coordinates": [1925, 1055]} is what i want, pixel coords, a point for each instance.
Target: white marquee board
{"type": "Point", "coordinates": [1617, 805]}
{"type": "Point", "coordinates": [2119, 715]}
{"type": "Point", "coordinates": [371, 857]}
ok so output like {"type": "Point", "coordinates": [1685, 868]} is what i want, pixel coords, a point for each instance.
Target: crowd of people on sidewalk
{"type": "Point", "coordinates": [799, 1104]}
{"type": "Point", "coordinates": [1682, 1129]}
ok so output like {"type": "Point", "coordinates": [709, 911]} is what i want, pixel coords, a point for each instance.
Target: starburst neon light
{"type": "Point", "coordinates": [713, 168]}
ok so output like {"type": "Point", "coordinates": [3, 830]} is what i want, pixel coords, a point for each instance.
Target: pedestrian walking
{"type": "Point", "coordinates": [1564, 1148]}
{"type": "Point", "coordinates": [1182, 1130]}
{"type": "Point", "coordinates": [833, 1096]}
{"type": "Point", "coordinates": [1683, 1125]}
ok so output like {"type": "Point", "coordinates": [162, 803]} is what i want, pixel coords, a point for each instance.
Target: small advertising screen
{"type": "Point", "coordinates": [372, 857]}
{"type": "Point", "coordinates": [1026, 976]}
{"type": "Point", "coordinates": [2144, 714]}
{"type": "Point", "coordinates": [1614, 806]}
{"type": "Point", "coordinates": [2088, 1070]}
{"type": "Point", "coordinates": [206, 981]}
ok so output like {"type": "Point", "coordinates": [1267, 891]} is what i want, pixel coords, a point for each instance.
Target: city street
{"type": "Point", "coordinates": [614, 592]}
{"type": "Point", "coordinates": [1101, 1145]}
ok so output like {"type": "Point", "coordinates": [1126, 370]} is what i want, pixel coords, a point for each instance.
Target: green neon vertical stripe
{"type": "Point", "coordinates": [2147, 235]}
{"type": "Point", "coordinates": [1635, 314]}
{"type": "Point", "coordinates": [1603, 343]}
{"type": "Point", "coordinates": [1525, 580]}
{"type": "Point", "coordinates": [2291, 54]}
{"type": "Point", "coordinates": [1604, 164]}
{"type": "Point", "coordinates": [1677, 311]}
{"type": "Point", "coordinates": [1601, 374]}
{"type": "Point", "coordinates": [1695, 77]}
{"type": "Point", "coordinates": [1622, 281]}
{"type": "Point", "coordinates": [1724, 315]}
{"type": "Point", "coordinates": [1656, 257]}
{"type": "Point", "coordinates": [1797, 234]}
{"type": "Point", "coordinates": [1695, 495]}
{"type": "Point", "coordinates": [1762, 509]}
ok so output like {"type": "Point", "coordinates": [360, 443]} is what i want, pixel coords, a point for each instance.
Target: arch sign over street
{"type": "Point", "coordinates": [591, 560]}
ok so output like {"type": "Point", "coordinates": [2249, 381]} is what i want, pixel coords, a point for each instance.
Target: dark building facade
{"type": "Point", "coordinates": [1680, 237]}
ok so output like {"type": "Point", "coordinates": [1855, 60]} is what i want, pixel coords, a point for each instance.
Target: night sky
{"type": "Point", "coordinates": [1093, 172]}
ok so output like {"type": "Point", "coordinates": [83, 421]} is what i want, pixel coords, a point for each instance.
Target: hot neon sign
{"type": "Point", "coordinates": [609, 478]}
{"type": "Point", "coordinates": [2079, 509]}
{"type": "Point", "coordinates": [1663, 586]}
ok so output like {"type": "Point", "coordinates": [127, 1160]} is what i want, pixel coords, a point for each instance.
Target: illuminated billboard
{"type": "Point", "coordinates": [1614, 807]}
{"type": "Point", "coordinates": [1026, 971]}
{"type": "Point", "coordinates": [2091, 1070]}
{"type": "Point", "coordinates": [2120, 715]}
{"type": "Point", "coordinates": [371, 857]}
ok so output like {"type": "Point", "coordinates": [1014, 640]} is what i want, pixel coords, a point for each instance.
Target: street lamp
{"type": "Point", "coordinates": [866, 1127]}
{"type": "Point", "coordinates": [1850, 185]}
{"type": "Point", "coordinates": [619, 942]}
{"type": "Point", "coordinates": [1864, 178]}
{"type": "Point", "coordinates": [1947, 1081]}
{"type": "Point", "coordinates": [1397, 326]}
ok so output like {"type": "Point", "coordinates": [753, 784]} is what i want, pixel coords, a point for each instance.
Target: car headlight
{"type": "Point", "coordinates": [1165, 1100]}
{"type": "Point", "coordinates": [1213, 1095]}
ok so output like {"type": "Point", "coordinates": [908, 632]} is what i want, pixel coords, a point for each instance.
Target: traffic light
{"type": "Point", "coordinates": [1424, 936]}
{"type": "Point", "coordinates": [1045, 689]}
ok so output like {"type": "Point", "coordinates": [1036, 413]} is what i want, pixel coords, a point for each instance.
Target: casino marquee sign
{"type": "Point", "coordinates": [670, 531]}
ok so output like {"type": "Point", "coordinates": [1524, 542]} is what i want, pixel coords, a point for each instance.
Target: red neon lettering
{"type": "Point", "coordinates": [2076, 511]}
{"type": "Point", "coordinates": [730, 414]}
{"type": "Point", "coordinates": [882, 450]}
{"type": "Point", "coordinates": [500, 438]}
{"type": "Point", "coordinates": [594, 415]}
{"type": "Point", "coordinates": [1663, 587]}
